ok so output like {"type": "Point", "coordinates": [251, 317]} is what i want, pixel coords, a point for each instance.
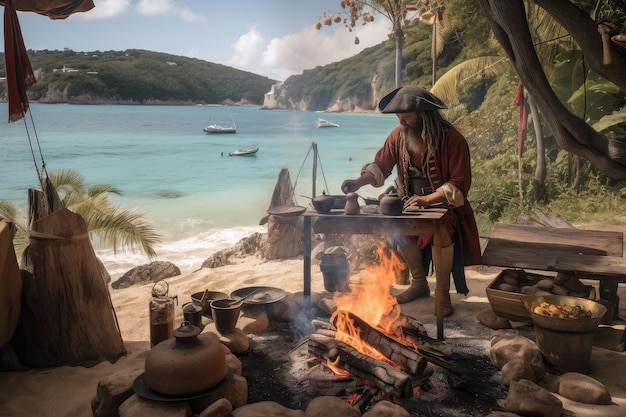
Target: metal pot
{"type": "Point", "coordinates": [323, 203]}
{"type": "Point", "coordinates": [186, 364]}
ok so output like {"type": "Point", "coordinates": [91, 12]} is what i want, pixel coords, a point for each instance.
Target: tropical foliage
{"type": "Point", "coordinates": [114, 227]}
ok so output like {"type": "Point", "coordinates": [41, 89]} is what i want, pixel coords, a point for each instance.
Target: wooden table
{"type": "Point", "coordinates": [423, 222]}
{"type": "Point", "coordinates": [588, 254]}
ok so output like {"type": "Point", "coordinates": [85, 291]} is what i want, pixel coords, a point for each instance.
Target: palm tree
{"type": "Point", "coordinates": [114, 226]}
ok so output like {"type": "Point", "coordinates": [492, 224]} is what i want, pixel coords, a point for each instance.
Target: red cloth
{"type": "Point", "coordinates": [523, 118]}
{"type": "Point", "coordinates": [18, 69]}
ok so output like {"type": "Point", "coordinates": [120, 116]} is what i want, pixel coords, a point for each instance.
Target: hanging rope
{"type": "Point", "coordinates": [295, 183]}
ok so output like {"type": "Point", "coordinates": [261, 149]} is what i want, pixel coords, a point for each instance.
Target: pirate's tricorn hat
{"type": "Point", "coordinates": [408, 99]}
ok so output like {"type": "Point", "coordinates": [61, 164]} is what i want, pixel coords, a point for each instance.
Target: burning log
{"type": "Point", "coordinates": [382, 375]}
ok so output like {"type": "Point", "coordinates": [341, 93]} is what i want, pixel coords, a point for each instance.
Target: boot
{"type": "Point", "coordinates": [419, 286]}
{"type": "Point", "coordinates": [447, 257]}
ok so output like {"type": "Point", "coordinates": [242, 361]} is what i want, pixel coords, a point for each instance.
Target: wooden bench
{"type": "Point", "coordinates": [587, 254]}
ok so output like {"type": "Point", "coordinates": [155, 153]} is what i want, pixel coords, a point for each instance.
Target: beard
{"type": "Point", "coordinates": [413, 137]}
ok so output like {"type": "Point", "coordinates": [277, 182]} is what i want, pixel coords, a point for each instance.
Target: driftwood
{"type": "Point", "coordinates": [382, 375]}
{"type": "Point", "coordinates": [284, 233]}
{"type": "Point", "coordinates": [67, 316]}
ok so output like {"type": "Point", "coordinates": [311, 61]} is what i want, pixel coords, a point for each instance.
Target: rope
{"type": "Point", "coordinates": [295, 183]}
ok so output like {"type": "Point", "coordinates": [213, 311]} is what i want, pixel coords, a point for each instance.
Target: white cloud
{"type": "Point", "coordinates": [111, 8]}
{"type": "Point", "coordinates": [293, 53]}
{"type": "Point", "coordinates": [105, 9]}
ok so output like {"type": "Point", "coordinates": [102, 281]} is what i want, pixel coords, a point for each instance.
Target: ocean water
{"type": "Point", "coordinates": [196, 196]}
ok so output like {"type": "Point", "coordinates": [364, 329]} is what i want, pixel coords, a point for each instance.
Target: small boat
{"type": "Point", "coordinates": [326, 123]}
{"type": "Point", "coordinates": [216, 128]}
{"type": "Point", "coordinates": [240, 152]}
{"type": "Point", "coordinates": [222, 128]}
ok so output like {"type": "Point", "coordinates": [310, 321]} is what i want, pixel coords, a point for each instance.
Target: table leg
{"type": "Point", "coordinates": [439, 278]}
{"type": "Point", "coordinates": [306, 255]}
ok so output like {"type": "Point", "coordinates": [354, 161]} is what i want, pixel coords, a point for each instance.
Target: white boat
{"type": "Point", "coordinates": [240, 152]}
{"type": "Point", "coordinates": [326, 123]}
{"type": "Point", "coordinates": [216, 128]}
{"type": "Point", "coordinates": [222, 128]}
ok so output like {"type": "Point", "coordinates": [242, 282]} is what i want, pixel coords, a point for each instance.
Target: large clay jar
{"type": "Point", "coordinates": [391, 204]}
{"type": "Point", "coordinates": [185, 364]}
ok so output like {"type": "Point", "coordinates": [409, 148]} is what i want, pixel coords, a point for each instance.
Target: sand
{"type": "Point", "coordinates": [68, 391]}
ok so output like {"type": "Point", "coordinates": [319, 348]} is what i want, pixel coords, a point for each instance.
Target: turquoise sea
{"type": "Point", "coordinates": [198, 198]}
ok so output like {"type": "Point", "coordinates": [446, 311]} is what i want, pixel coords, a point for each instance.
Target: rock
{"type": "Point", "coordinates": [113, 391]}
{"type": "Point", "coordinates": [327, 305]}
{"type": "Point", "coordinates": [327, 406]}
{"type": "Point", "coordinates": [386, 409]}
{"type": "Point", "coordinates": [253, 320]}
{"type": "Point", "coordinates": [220, 408]}
{"type": "Point", "coordinates": [524, 352]}
{"type": "Point", "coordinates": [234, 363]}
{"type": "Point", "coordinates": [253, 244]}
{"type": "Point", "coordinates": [137, 406]}
{"type": "Point", "coordinates": [490, 319]}
{"type": "Point", "coordinates": [235, 390]}
{"type": "Point", "coordinates": [266, 408]}
{"type": "Point", "coordinates": [153, 272]}
{"type": "Point", "coordinates": [527, 398]}
{"type": "Point", "coordinates": [236, 341]}
{"type": "Point", "coordinates": [579, 387]}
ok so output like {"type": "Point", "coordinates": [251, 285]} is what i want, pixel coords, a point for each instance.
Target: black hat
{"type": "Point", "coordinates": [408, 99]}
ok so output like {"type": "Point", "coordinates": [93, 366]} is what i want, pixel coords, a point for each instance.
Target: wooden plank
{"type": "Point", "coordinates": [604, 266]}
{"type": "Point", "coordinates": [392, 226]}
{"type": "Point", "coordinates": [607, 242]}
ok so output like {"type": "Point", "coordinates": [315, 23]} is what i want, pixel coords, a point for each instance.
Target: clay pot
{"type": "Point", "coordinates": [352, 204]}
{"type": "Point", "coordinates": [391, 205]}
{"type": "Point", "coordinates": [185, 364]}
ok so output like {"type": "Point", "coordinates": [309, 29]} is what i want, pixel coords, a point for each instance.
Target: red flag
{"type": "Point", "coordinates": [18, 70]}
{"type": "Point", "coordinates": [523, 118]}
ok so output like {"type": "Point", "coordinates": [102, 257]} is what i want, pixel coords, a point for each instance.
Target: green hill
{"type": "Point", "coordinates": [138, 76]}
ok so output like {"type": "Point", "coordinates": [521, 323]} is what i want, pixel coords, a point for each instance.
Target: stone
{"type": "Point", "coordinates": [235, 390]}
{"type": "Point", "coordinates": [489, 319]}
{"type": "Point", "coordinates": [137, 406]}
{"type": "Point", "coordinates": [266, 408]}
{"type": "Point", "coordinates": [328, 406]}
{"type": "Point", "coordinates": [386, 409]}
{"type": "Point", "coordinates": [234, 363]}
{"type": "Point", "coordinates": [253, 320]}
{"type": "Point", "coordinates": [153, 272]}
{"type": "Point", "coordinates": [522, 349]}
{"type": "Point", "coordinates": [236, 341]}
{"type": "Point", "coordinates": [527, 398]}
{"type": "Point", "coordinates": [578, 387]}
{"type": "Point", "coordinates": [112, 391]}
{"type": "Point", "coordinates": [327, 305]}
{"type": "Point", "coordinates": [220, 408]}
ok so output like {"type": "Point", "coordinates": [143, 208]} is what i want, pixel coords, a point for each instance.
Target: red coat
{"type": "Point", "coordinates": [451, 164]}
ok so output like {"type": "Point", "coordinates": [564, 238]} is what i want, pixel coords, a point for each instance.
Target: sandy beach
{"type": "Point", "coordinates": [68, 391]}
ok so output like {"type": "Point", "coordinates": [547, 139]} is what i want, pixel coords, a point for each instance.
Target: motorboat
{"type": "Point", "coordinates": [241, 152]}
{"type": "Point", "coordinates": [217, 128]}
{"type": "Point", "coordinates": [326, 123]}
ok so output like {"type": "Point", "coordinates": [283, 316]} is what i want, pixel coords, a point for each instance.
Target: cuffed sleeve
{"type": "Point", "coordinates": [453, 195]}
{"type": "Point", "coordinates": [374, 171]}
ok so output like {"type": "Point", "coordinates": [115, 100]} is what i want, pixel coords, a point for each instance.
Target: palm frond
{"type": "Point", "coordinates": [448, 85]}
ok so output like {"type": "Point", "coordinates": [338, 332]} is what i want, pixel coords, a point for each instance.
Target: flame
{"type": "Point", "coordinates": [370, 300]}
{"type": "Point", "coordinates": [336, 368]}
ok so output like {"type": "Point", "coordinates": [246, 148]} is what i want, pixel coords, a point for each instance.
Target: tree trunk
{"type": "Point", "coordinates": [508, 22]}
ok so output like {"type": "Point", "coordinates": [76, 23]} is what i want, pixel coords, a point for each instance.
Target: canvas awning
{"type": "Point", "coordinates": [19, 73]}
{"type": "Point", "coordinates": [54, 9]}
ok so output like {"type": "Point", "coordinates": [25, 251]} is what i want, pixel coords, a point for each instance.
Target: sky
{"type": "Point", "coordinates": [273, 38]}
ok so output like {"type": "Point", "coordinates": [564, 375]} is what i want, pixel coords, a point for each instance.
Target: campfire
{"type": "Point", "coordinates": [368, 338]}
